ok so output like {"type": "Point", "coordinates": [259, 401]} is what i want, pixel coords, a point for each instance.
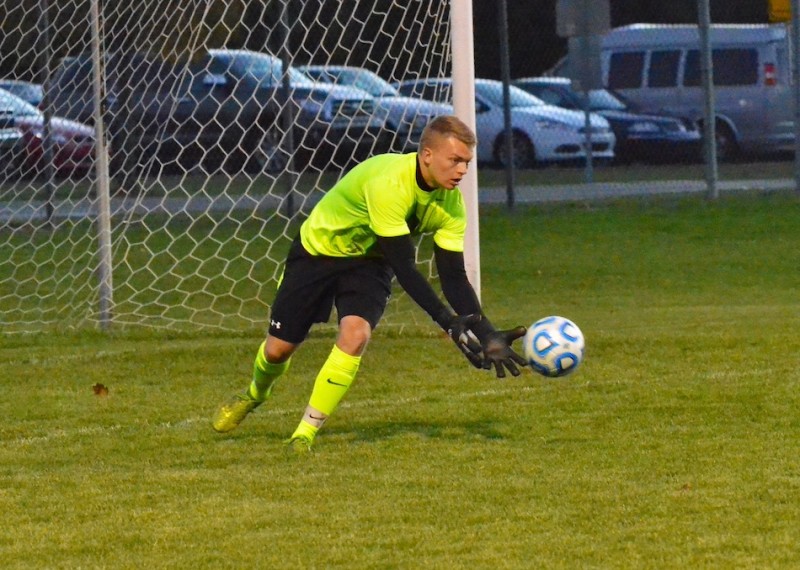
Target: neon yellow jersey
{"type": "Point", "coordinates": [380, 197]}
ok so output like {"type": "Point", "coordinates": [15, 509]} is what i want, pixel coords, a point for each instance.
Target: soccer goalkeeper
{"type": "Point", "coordinates": [354, 240]}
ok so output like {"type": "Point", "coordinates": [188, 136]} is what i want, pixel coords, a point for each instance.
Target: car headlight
{"type": "Point", "coordinates": [643, 127]}
{"type": "Point", "coordinates": [674, 127]}
{"type": "Point", "coordinates": [552, 124]}
{"type": "Point", "coordinates": [57, 138]}
{"type": "Point", "coordinates": [10, 133]}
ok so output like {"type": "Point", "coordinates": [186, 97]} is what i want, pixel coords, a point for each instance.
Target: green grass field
{"type": "Point", "coordinates": [676, 445]}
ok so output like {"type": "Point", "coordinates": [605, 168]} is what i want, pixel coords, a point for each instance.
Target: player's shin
{"type": "Point", "coordinates": [264, 375]}
{"type": "Point", "coordinates": [332, 383]}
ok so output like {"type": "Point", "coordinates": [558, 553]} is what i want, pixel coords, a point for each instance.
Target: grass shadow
{"type": "Point", "coordinates": [459, 431]}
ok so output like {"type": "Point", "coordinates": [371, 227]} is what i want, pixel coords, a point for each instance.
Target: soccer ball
{"type": "Point", "coordinates": [554, 346]}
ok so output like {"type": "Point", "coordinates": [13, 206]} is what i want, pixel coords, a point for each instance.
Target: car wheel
{"type": "Point", "coordinates": [267, 154]}
{"type": "Point", "coordinates": [727, 149]}
{"type": "Point", "coordinates": [524, 154]}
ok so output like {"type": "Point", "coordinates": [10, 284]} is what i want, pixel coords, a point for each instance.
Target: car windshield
{"type": "Point", "coordinates": [266, 69]}
{"type": "Point", "coordinates": [366, 81]}
{"type": "Point", "coordinates": [493, 92]}
{"type": "Point", "coordinates": [604, 100]}
{"type": "Point", "coordinates": [30, 93]}
{"type": "Point", "coordinates": [17, 106]}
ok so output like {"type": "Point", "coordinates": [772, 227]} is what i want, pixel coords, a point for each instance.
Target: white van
{"type": "Point", "coordinates": [658, 67]}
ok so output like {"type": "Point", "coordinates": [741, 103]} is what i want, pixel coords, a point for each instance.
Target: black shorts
{"type": "Point", "coordinates": [312, 284]}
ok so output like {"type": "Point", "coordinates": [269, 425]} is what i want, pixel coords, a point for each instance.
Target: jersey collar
{"type": "Point", "coordinates": [420, 179]}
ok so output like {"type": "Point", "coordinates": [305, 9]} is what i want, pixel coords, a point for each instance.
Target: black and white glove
{"type": "Point", "coordinates": [497, 351]}
{"type": "Point", "coordinates": [457, 328]}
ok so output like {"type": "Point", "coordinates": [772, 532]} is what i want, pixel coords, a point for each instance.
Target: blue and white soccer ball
{"type": "Point", "coordinates": [554, 346]}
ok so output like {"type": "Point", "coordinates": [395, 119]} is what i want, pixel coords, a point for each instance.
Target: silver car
{"type": "Point", "coordinates": [25, 90]}
{"type": "Point", "coordinates": [541, 133]}
{"type": "Point", "coordinates": [658, 67]}
{"type": "Point", "coordinates": [405, 116]}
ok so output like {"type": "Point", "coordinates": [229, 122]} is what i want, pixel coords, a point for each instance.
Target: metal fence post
{"type": "Point", "coordinates": [505, 64]}
{"type": "Point", "coordinates": [45, 56]}
{"type": "Point", "coordinates": [104, 266]}
{"type": "Point", "coordinates": [795, 41]}
{"type": "Point", "coordinates": [287, 144]}
{"type": "Point", "coordinates": [709, 124]}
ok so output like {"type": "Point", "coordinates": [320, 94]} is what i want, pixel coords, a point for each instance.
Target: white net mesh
{"type": "Point", "coordinates": [216, 154]}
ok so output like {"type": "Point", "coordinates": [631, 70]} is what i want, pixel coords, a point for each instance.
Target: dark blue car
{"type": "Point", "coordinates": [640, 137]}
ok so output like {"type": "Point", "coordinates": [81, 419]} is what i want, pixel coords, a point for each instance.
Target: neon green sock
{"type": "Point", "coordinates": [305, 430]}
{"type": "Point", "coordinates": [333, 380]}
{"type": "Point", "coordinates": [264, 375]}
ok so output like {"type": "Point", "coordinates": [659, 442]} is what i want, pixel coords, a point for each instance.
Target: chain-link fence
{"type": "Point", "coordinates": [225, 120]}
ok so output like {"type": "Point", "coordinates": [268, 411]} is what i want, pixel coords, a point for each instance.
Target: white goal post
{"type": "Point", "coordinates": [464, 104]}
{"type": "Point", "coordinates": [178, 145]}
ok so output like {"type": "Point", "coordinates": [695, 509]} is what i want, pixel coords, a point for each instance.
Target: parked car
{"type": "Point", "coordinates": [25, 90]}
{"type": "Point", "coordinates": [73, 142]}
{"type": "Point", "coordinates": [640, 136]}
{"type": "Point", "coordinates": [659, 68]}
{"type": "Point", "coordinates": [225, 109]}
{"type": "Point", "coordinates": [338, 124]}
{"type": "Point", "coordinates": [10, 135]}
{"type": "Point", "coordinates": [541, 133]}
{"type": "Point", "coordinates": [405, 116]}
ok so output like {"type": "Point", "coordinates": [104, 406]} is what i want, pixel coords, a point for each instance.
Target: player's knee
{"type": "Point", "coordinates": [277, 351]}
{"type": "Point", "coordinates": [354, 334]}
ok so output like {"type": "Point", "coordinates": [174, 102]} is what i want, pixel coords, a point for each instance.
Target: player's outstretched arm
{"type": "Point", "coordinates": [495, 345]}
{"type": "Point", "coordinates": [399, 252]}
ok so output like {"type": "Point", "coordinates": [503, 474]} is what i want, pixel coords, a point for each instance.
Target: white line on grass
{"type": "Point", "coordinates": [134, 349]}
{"type": "Point", "coordinates": [61, 434]}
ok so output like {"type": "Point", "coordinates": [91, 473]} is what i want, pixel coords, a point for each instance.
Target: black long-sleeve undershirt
{"type": "Point", "coordinates": [456, 287]}
{"type": "Point", "coordinates": [458, 290]}
{"type": "Point", "coordinates": [400, 253]}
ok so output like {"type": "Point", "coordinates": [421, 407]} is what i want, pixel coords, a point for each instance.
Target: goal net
{"type": "Point", "coordinates": [225, 122]}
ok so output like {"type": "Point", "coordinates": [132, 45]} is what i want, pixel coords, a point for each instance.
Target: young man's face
{"type": "Point", "coordinates": [444, 162]}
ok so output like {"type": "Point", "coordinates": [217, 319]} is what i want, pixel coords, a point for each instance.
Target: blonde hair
{"type": "Point", "coordinates": [447, 126]}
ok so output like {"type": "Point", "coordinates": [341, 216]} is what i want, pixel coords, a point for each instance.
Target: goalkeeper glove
{"type": "Point", "coordinates": [497, 351]}
{"type": "Point", "coordinates": [457, 328]}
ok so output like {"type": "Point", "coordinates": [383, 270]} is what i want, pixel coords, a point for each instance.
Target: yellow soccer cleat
{"type": "Point", "coordinates": [299, 444]}
{"type": "Point", "coordinates": [230, 415]}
